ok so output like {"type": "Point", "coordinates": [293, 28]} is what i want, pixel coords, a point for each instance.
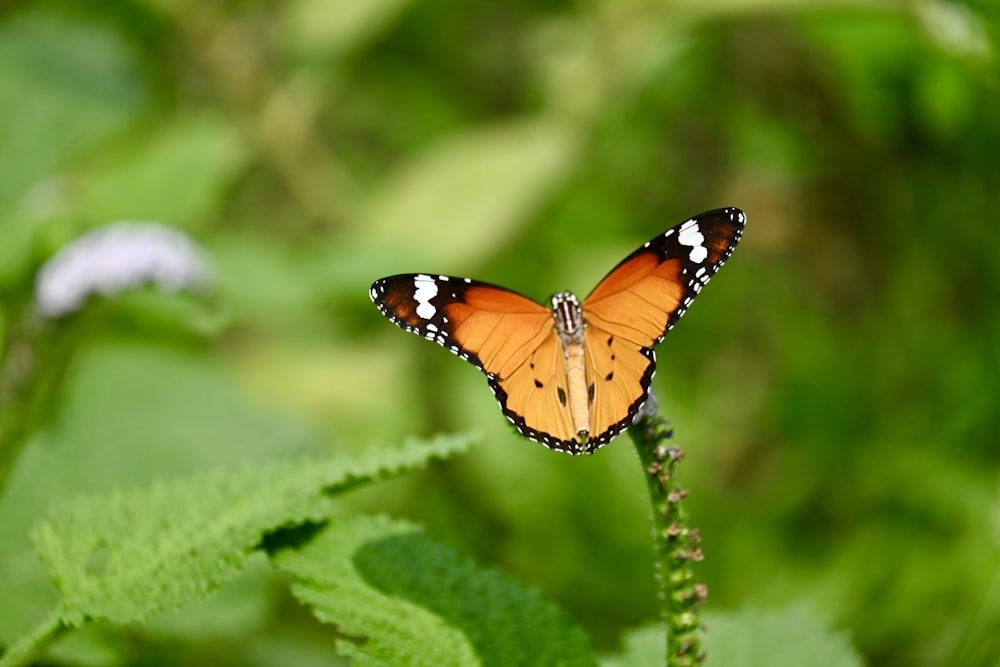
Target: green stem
{"type": "Point", "coordinates": [677, 545]}
{"type": "Point", "coordinates": [28, 648]}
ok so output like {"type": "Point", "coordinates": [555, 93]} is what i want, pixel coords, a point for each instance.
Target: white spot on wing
{"type": "Point", "coordinates": [425, 290]}
{"type": "Point", "coordinates": [691, 236]}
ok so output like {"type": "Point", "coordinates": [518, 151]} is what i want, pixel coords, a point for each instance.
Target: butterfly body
{"type": "Point", "coordinates": [574, 375]}
{"type": "Point", "coordinates": [569, 326]}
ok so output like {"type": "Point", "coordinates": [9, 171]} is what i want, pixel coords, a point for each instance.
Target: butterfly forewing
{"type": "Point", "coordinates": [509, 336]}
{"type": "Point", "coordinates": [491, 327]}
{"type": "Point", "coordinates": [643, 297]}
{"type": "Point", "coordinates": [514, 340]}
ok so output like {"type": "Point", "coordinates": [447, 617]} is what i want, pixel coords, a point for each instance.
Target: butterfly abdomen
{"type": "Point", "coordinates": [569, 327]}
{"type": "Point", "coordinates": [576, 377]}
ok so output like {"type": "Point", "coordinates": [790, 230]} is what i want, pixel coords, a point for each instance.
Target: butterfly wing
{"type": "Point", "coordinates": [642, 298]}
{"type": "Point", "coordinates": [492, 328]}
{"type": "Point", "coordinates": [508, 336]}
{"type": "Point", "coordinates": [534, 398]}
{"type": "Point", "coordinates": [638, 302]}
{"type": "Point", "coordinates": [620, 373]}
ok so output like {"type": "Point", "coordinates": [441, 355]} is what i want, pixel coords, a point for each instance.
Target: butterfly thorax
{"type": "Point", "coordinates": [569, 325]}
{"type": "Point", "coordinates": [569, 317]}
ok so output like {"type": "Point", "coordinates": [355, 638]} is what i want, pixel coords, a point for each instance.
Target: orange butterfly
{"type": "Point", "coordinates": [572, 376]}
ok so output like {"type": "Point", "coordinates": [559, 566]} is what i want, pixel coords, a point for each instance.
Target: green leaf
{"type": "Point", "coordinates": [239, 608]}
{"type": "Point", "coordinates": [793, 637]}
{"type": "Point", "coordinates": [127, 415]}
{"type": "Point", "coordinates": [131, 554]}
{"type": "Point", "coordinates": [397, 597]}
{"type": "Point", "coordinates": [749, 638]}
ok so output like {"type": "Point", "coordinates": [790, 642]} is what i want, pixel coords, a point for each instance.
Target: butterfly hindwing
{"type": "Point", "coordinates": [620, 373]}
{"type": "Point", "coordinates": [534, 398]}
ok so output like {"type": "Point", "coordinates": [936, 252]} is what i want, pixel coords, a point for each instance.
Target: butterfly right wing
{"type": "Point", "coordinates": [508, 336]}
{"type": "Point", "coordinates": [620, 373]}
{"type": "Point", "coordinates": [637, 303]}
{"type": "Point", "coordinates": [642, 298]}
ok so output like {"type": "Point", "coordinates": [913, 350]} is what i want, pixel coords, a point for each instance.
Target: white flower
{"type": "Point", "coordinates": [117, 257]}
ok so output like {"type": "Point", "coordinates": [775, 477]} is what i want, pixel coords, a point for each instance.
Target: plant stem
{"type": "Point", "coordinates": [677, 545]}
{"type": "Point", "coordinates": [26, 650]}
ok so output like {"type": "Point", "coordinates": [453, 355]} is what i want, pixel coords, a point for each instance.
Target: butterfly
{"type": "Point", "coordinates": [574, 375]}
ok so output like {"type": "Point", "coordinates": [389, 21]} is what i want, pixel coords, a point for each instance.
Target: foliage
{"type": "Point", "coordinates": [131, 555]}
{"type": "Point", "coordinates": [834, 389]}
{"type": "Point", "coordinates": [167, 545]}
{"type": "Point", "coordinates": [418, 602]}
{"type": "Point", "coordinates": [751, 638]}
{"type": "Point", "coordinates": [788, 637]}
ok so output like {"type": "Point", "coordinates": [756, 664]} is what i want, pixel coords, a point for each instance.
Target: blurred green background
{"type": "Point", "coordinates": [836, 388]}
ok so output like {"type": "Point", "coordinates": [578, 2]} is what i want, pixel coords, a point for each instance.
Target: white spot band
{"type": "Point", "coordinates": [425, 290]}
{"type": "Point", "coordinates": [691, 236]}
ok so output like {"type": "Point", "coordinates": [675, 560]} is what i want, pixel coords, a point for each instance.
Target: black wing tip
{"type": "Point", "coordinates": [734, 214]}
{"type": "Point", "coordinates": [381, 287]}
{"type": "Point", "coordinates": [738, 218]}
{"type": "Point", "coordinates": [728, 215]}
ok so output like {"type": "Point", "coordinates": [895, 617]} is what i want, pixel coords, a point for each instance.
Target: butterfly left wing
{"type": "Point", "coordinates": [637, 303]}
{"type": "Point", "coordinates": [493, 328]}
{"type": "Point", "coordinates": [508, 336]}
{"type": "Point", "coordinates": [535, 398]}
